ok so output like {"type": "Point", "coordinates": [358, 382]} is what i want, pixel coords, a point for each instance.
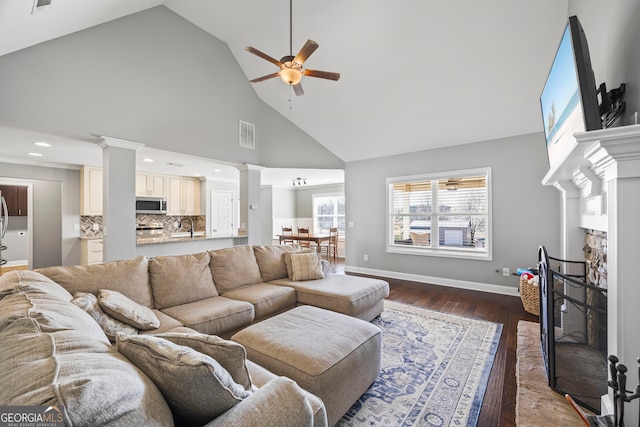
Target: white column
{"type": "Point", "coordinates": [250, 202]}
{"type": "Point", "coordinates": [119, 207]}
{"type": "Point", "coordinates": [617, 153]}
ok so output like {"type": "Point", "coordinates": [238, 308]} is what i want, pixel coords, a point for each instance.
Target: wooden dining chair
{"type": "Point", "coordinates": [330, 247]}
{"type": "Point", "coordinates": [303, 237]}
{"type": "Point", "coordinates": [287, 233]}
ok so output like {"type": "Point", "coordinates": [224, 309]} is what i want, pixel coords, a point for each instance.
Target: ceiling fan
{"type": "Point", "coordinates": [291, 70]}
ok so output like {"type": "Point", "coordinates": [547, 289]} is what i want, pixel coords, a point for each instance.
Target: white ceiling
{"type": "Point", "coordinates": [415, 74]}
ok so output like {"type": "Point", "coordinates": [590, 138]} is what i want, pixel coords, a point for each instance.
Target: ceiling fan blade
{"type": "Point", "coordinates": [322, 74]}
{"type": "Point", "coordinates": [309, 47]}
{"type": "Point", "coordinates": [267, 77]}
{"type": "Point", "coordinates": [297, 88]}
{"type": "Point", "coordinates": [262, 55]}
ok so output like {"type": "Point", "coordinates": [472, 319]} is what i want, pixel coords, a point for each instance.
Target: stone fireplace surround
{"type": "Point", "coordinates": [599, 181]}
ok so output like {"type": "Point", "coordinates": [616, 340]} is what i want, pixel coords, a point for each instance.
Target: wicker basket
{"type": "Point", "coordinates": [530, 296]}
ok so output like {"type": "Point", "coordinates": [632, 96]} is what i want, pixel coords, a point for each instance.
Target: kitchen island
{"type": "Point", "coordinates": [183, 243]}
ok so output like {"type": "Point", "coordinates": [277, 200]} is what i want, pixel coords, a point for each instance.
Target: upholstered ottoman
{"type": "Point", "coordinates": [334, 356]}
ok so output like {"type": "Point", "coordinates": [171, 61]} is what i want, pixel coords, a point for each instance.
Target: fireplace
{"type": "Point", "coordinates": [573, 330]}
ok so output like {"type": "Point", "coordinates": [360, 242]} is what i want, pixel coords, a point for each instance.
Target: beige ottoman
{"type": "Point", "coordinates": [334, 356]}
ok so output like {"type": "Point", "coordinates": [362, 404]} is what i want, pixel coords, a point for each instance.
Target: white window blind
{"type": "Point", "coordinates": [445, 214]}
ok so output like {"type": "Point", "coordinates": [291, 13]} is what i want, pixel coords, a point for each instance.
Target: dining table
{"type": "Point", "coordinates": [318, 238]}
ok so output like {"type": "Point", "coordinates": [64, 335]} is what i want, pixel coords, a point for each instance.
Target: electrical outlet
{"type": "Point", "coordinates": [366, 257]}
{"type": "Point", "coordinates": [506, 271]}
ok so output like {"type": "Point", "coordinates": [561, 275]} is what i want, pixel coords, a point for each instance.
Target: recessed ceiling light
{"type": "Point", "coordinates": [217, 170]}
{"type": "Point", "coordinates": [197, 174]}
{"type": "Point", "coordinates": [35, 154]}
{"type": "Point", "coordinates": [42, 144]}
{"type": "Point", "coordinates": [148, 160]}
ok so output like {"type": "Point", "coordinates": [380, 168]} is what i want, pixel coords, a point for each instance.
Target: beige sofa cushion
{"type": "Point", "coordinates": [122, 308]}
{"type": "Point", "coordinates": [111, 327]}
{"type": "Point", "coordinates": [234, 267]}
{"type": "Point", "coordinates": [271, 260]}
{"type": "Point", "coordinates": [267, 299]}
{"type": "Point", "coordinates": [196, 386]}
{"type": "Point", "coordinates": [53, 353]}
{"type": "Point", "coordinates": [181, 279]}
{"type": "Point", "coordinates": [345, 294]}
{"type": "Point", "coordinates": [129, 277]}
{"type": "Point", "coordinates": [231, 355]}
{"type": "Point", "coordinates": [213, 316]}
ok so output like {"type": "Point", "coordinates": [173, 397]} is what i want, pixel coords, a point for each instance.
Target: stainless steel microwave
{"type": "Point", "coordinates": [151, 205]}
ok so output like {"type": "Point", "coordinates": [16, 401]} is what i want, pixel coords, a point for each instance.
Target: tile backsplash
{"type": "Point", "coordinates": [91, 226]}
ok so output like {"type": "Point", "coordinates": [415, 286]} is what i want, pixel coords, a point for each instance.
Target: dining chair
{"type": "Point", "coordinates": [287, 234]}
{"type": "Point", "coordinates": [303, 237]}
{"type": "Point", "coordinates": [331, 246]}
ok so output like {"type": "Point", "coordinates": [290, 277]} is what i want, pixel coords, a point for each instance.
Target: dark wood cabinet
{"type": "Point", "coordinates": [16, 198]}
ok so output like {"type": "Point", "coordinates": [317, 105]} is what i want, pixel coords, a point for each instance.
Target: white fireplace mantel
{"type": "Point", "coordinates": [599, 179]}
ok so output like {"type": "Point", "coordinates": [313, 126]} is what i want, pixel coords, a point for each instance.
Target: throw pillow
{"type": "Point", "coordinates": [306, 267]}
{"type": "Point", "coordinates": [287, 259]}
{"type": "Point", "coordinates": [231, 355]}
{"type": "Point", "coordinates": [111, 327]}
{"type": "Point", "coordinates": [125, 310]}
{"type": "Point", "coordinates": [196, 387]}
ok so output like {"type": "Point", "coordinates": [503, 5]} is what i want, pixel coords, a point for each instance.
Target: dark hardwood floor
{"type": "Point", "coordinates": [498, 406]}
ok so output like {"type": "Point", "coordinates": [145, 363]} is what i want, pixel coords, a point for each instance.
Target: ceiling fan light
{"type": "Point", "coordinates": [290, 76]}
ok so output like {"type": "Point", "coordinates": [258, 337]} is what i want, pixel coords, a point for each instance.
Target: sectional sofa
{"type": "Point", "coordinates": [77, 336]}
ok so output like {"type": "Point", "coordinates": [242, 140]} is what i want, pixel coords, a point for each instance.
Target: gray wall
{"type": "Point", "coordinates": [56, 209]}
{"type": "Point", "coordinates": [525, 214]}
{"type": "Point", "coordinates": [152, 78]}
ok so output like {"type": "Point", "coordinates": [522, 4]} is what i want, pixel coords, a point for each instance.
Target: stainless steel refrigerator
{"type": "Point", "coordinates": [4, 222]}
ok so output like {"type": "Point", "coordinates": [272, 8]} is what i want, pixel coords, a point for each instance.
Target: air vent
{"type": "Point", "coordinates": [247, 135]}
{"type": "Point", "coordinates": [41, 6]}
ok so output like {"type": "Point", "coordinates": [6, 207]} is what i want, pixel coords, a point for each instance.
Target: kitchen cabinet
{"type": "Point", "coordinates": [183, 195]}
{"type": "Point", "coordinates": [91, 251]}
{"type": "Point", "coordinates": [90, 191]}
{"type": "Point", "coordinates": [150, 184]}
{"type": "Point", "coordinates": [16, 198]}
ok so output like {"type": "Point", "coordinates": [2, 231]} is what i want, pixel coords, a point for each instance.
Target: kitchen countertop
{"type": "Point", "coordinates": [177, 237]}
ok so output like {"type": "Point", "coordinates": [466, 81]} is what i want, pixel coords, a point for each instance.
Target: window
{"type": "Point", "coordinates": [444, 214]}
{"type": "Point", "coordinates": [328, 212]}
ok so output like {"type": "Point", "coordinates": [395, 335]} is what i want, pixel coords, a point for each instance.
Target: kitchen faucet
{"type": "Point", "coordinates": [190, 219]}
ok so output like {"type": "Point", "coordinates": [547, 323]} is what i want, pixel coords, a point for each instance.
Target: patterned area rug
{"type": "Point", "coordinates": [435, 369]}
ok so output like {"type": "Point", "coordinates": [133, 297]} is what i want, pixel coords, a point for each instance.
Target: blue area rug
{"type": "Point", "coordinates": [435, 369]}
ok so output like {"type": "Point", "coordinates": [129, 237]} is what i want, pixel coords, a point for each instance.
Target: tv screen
{"type": "Point", "coordinates": [569, 99]}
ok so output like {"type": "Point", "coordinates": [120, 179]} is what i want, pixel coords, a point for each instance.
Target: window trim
{"type": "Point", "coordinates": [341, 233]}
{"type": "Point", "coordinates": [439, 251]}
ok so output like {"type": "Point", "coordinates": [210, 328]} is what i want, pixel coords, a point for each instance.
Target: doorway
{"type": "Point", "coordinates": [17, 241]}
{"type": "Point", "coordinates": [222, 212]}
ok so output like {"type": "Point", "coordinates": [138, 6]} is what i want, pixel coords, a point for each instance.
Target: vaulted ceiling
{"type": "Point", "coordinates": [415, 74]}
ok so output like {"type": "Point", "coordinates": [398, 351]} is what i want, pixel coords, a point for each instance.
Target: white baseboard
{"type": "Point", "coordinates": [19, 263]}
{"type": "Point", "coordinates": [443, 281]}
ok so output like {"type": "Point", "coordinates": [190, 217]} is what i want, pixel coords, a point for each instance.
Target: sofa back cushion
{"type": "Point", "coordinates": [234, 268]}
{"type": "Point", "coordinates": [53, 353]}
{"type": "Point", "coordinates": [181, 279]}
{"type": "Point", "coordinates": [129, 277]}
{"type": "Point", "coordinates": [271, 261]}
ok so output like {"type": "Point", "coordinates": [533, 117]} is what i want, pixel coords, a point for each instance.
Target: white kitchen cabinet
{"type": "Point", "coordinates": [90, 191]}
{"type": "Point", "coordinates": [183, 195]}
{"type": "Point", "coordinates": [91, 251]}
{"type": "Point", "coordinates": [150, 184]}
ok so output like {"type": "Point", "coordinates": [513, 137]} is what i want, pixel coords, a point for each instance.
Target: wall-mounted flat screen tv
{"type": "Point", "coordinates": [569, 99]}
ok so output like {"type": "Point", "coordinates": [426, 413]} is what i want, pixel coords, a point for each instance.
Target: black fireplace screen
{"type": "Point", "coordinates": [573, 330]}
